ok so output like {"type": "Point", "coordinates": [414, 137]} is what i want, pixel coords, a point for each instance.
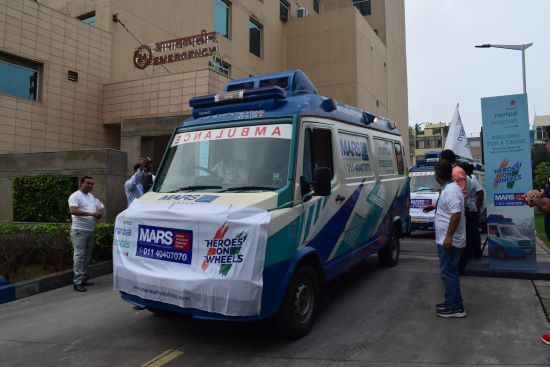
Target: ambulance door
{"type": "Point", "coordinates": [317, 150]}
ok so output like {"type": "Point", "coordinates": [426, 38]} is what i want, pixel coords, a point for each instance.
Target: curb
{"type": "Point", "coordinates": [30, 287]}
{"type": "Point", "coordinates": [542, 245]}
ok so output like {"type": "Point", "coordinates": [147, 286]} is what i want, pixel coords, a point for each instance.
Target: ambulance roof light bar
{"type": "Point", "coordinates": [249, 95]}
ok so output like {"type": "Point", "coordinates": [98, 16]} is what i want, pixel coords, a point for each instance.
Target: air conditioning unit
{"type": "Point", "coordinates": [302, 12]}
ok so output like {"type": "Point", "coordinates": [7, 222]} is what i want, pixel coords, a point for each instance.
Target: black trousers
{"type": "Point", "coordinates": [473, 240]}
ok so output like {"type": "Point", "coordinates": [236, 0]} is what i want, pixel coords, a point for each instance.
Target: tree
{"type": "Point", "coordinates": [542, 172]}
{"type": "Point", "coordinates": [538, 155]}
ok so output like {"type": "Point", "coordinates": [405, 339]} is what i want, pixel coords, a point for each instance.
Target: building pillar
{"type": "Point", "coordinates": [132, 146]}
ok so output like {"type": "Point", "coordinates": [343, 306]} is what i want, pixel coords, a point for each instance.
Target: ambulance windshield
{"type": "Point", "coordinates": [424, 183]}
{"type": "Point", "coordinates": [227, 158]}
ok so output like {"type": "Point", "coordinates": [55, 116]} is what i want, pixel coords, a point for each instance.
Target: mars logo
{"type": "Point", "coordinates": [160, 237]}
{"type": "Point", "coordinates": [143, 57]}
{"type": "Point", "coordinates": [224, 251]}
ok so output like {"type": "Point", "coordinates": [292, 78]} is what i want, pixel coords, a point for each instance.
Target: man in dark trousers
{"type": "Point", "coordinates": [450, 237]}
{"type": "Point", "coordinates": [473, 206]}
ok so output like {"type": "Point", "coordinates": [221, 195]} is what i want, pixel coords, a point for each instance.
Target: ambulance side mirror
{"type": "Point", "coordinates": [321, 185]}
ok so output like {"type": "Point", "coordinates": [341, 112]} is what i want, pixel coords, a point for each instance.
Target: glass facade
{"type": "Point", "coordinates": [283, 10]}
{"type": "Point", "coordinates": [18, 77]}
{"type": "Point", "coordinates": [221, 17]}
{"type": "Point", "coordinates": [220, 66]}
{"type": "Point", "coordinates": [541, 133]}
{"type": "Point", "coordinates": [364, 6]}
{"type": "Point", "coordinates": [428, 142]}
{"type": "Point", "coordinates": [255, 30]}
{"type": "Point", "coordinates": [88, 18]}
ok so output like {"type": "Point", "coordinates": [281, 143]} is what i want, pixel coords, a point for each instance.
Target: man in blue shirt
{"type": "Point", "coordinates": [134, 185]}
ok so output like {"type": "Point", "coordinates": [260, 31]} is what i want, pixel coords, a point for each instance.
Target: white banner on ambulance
{"type": "Point", "coordinates": [208, 257]}
{"type": "Point", "coordinates": [280, 131]}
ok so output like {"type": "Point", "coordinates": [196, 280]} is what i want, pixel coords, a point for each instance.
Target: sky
{"type": "Point", "coordinates": [444, 68]}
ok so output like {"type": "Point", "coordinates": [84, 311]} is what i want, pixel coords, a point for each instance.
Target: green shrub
{"type": "Point", "coordinates": [42, 198]}
{"type": "Point", "coordinates": [542, 172]}
{"type": "Point", "coordinates": [47, 244]}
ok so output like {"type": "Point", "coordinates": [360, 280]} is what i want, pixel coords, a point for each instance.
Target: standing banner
{"type": "Point", "coordinates": [507, 153]}
{"type": "Point", "coordinates": [456, 138]}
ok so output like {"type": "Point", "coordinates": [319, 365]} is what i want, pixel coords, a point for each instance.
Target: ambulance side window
{"type": "Point", "coordinates": [317, 152]}
{"type": "Point", "coordinates": [399, 158]}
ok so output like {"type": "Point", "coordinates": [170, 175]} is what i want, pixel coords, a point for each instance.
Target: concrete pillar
{"type": "Point", "coordinates": [132, 146]}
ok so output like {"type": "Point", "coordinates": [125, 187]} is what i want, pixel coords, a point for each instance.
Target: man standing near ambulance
{"type": "Point", "coordinates": [450, 238]}
{"type": "Point", "coordinates": [85, 212]}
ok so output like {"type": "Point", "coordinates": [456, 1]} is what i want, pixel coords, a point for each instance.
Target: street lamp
{"type": "Point", "coordinates": [513, 47]}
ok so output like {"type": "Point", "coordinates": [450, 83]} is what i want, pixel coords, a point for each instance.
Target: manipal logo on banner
{"type": "Point", "coordinates": [507, 174]}
{"type": "Point", "coordinates": [224, 251]}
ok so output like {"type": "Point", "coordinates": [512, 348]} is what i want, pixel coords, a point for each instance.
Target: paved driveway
{"type": "Point", "coordinates": [373, 317]}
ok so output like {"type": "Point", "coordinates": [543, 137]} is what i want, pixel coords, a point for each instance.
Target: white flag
{"type": "Point", "coordinates": [456, 139]}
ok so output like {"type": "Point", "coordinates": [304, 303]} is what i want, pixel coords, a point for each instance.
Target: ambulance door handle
{"type": "Point", "coordinates": [340, 198]}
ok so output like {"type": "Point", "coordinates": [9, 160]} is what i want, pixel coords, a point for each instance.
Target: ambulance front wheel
{"type": "Point", "coordinates": [299, 308]}
{"type": "Point", "coordinates": [388, 255]}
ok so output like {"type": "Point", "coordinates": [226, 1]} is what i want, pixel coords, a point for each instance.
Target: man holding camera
{"type": "Point", "coordinates": [134, 186]}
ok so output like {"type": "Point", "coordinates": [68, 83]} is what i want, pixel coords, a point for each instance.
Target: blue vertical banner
{"type": "Point", "coordinates": [507, 154]}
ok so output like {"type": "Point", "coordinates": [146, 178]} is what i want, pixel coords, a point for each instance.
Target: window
{"type": "Point", "coordinates": [317, 152]}
{"type": "Point", "coordinates": [240, 86]}
{"type": "Point", "coordinates": [220, 66]}
{"type": "Point", "coordinates": [19, 77]}
{"type": "Point", "coordinates": [363, 6]}
{"type": "Point", "coordinates": [354, 150]}
{"type": "Point", "coordinates": [384, 151]}
{"type": "Point", "coordinates": [88, 18]}
{"type": "Point", "coordinates": [541, 132]}
{"type": "Point", "coordinates": [399, 158]}
{"type": "Point", "coordinates": [316, 6]}
{"type": "Point", "coordinates": [221, 17]}
{"type": "Point", "coordinates": [284, 10]}
{"type": "Point", "coordinates": [429, 142]}
{"type": "Point", "coordinates": [275, 82]}
{"type": "Point", "coordinates": [255, 30]}
{"type": "Point", "coordinates": [72, 76]}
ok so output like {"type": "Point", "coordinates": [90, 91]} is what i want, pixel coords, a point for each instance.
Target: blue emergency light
{"type": "Point", "coordinates": [238, 96]}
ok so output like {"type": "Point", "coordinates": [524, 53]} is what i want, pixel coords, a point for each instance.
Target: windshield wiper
{"type": "Point", "coordinates": [196, 187]}
{"type": "Point", "coordinates": [243, 188]}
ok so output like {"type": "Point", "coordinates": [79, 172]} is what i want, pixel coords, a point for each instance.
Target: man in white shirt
{"type": "Point", "coordinates": [85, 212]}
{"type": "Point", "coordinates": [450, 237]}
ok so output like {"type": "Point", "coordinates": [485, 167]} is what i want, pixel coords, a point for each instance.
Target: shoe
{"type": "Point", "coordinates": [87, 283]}
{"type": "Point", "coordinates": [545, 338]}
{"type": "Point", "coordinates": [447, 312]}
{"type": "Point", "coordinates": [441, 306]}
{"type": "Point", "coordinates": [79, 288]}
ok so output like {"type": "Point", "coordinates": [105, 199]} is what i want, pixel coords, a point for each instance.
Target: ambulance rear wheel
{"type": "Point", "coordinates": [388, 255]}
{"type": "Point", "coordinates": [299, 308]}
